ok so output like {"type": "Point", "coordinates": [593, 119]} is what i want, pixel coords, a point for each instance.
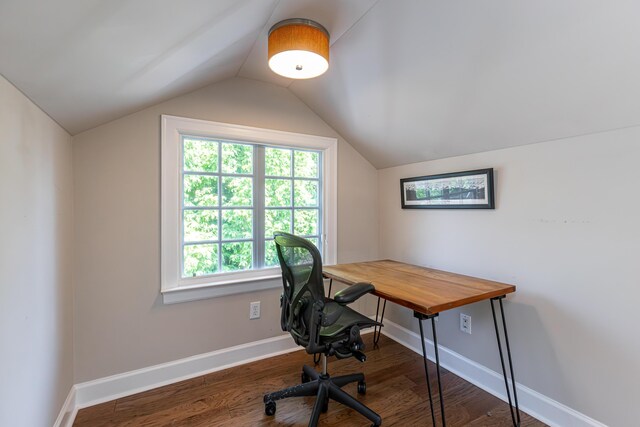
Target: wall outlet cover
{"type": "Point", "coordinates": [254, 310]}
{"type": "Point", "coordinates": [465, 323]}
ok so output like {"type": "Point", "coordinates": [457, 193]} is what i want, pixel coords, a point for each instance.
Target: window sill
{"type": "Point", "coordinates": [208, 290]}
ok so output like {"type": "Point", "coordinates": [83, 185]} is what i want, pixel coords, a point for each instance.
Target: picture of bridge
{"type": "Point", "coordinates": [450, 190]}
{"type": "Point", "coordinates": [463, 188]}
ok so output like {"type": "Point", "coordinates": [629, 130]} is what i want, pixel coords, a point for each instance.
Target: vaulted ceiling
{"type": "Point", "coordinates": [409, 80]}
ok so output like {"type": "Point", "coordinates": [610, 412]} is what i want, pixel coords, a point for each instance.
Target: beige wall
{"type": "Point", "coordinates": [36, 295]}
{"type": "Point", "coordinates": [121, 322]}
{"type": "Point", "coordinates": [565, 230]}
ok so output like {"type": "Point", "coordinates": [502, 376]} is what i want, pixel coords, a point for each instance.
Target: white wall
{"type": "Point", "coordinates": [121, 322]}
{"type": "Point", "coordinates": [36, 295]}
{"type": "Point", "coordinates": [566, 231]}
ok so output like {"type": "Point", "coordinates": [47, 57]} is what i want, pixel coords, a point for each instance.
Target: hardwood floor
{"type": "Point", "coordinates": [396, 390]}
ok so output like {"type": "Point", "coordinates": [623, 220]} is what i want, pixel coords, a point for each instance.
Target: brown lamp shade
{"type": "Point", "coordinates": [298, 48]}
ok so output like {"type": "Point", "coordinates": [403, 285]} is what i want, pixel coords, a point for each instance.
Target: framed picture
{"type": "Point", "coordinates": [459, 190]}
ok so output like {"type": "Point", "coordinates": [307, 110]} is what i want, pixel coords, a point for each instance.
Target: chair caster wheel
{"type": "Point", "coordinates": [325, 408]}
{"type": "Point", "coordinates": [362, 387]}
{"type": "Point", "coordinates": [270, 408]}
{"type": "Point", "coordinates": [305, 378]}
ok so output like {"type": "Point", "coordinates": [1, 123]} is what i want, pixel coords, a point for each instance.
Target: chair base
{"type": "Point", "coordinates": [324, 388]}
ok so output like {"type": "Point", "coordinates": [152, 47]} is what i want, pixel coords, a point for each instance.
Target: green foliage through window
{"type": "Point", "coordinates": [219, 218]}
{"type": "Point", "coordinates": [237, 224]}
{"type": "Point", "coordinates": [276, 220]}
{"type": "Point", "coordinates": [237, 191]}
{"type": "Point", "coordinates": [237, 158]}
{"type": "Point", "coordinates": [200, 155]}
{"type": "Point", "coordinates": [306, 164]}
{"type": "Point", "coordinates": [306, 193]}
{"type": "Point", "coordinates": [200, 190]}
{"type": "Point", "coordinates": [305, 222]}
{"type": "Point", "coordinates": [277, 162]}
{"type": "Point", "coordinates": [200, 225]}
{"type": "Point", "coordinates": [236, 256]}
{"type": "Point", "coordinates": [200, 260]}
{"type": "Point", "coordinates": [277, 192]}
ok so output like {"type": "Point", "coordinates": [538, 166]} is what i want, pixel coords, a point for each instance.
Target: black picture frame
{"type": "Point", "coordinates": [471, 190]}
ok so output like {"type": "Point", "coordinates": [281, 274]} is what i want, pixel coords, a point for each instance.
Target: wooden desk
{"type": "Point", "coordinates": [421, 289]}
{"type": "Point", "coordinates": [428, 292]}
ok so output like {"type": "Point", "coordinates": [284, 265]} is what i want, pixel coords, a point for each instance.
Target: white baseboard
{"type": "Point", "coordinates": [117, 386]}
{"type": "Point", "coordinates": [530, 401]}
{"type": "Point", "coordinates": [68, 411]}
{"type": "Point", "coordinates": [106, 389]}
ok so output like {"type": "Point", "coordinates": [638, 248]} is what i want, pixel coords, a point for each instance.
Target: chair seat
{"type": "Point", "coordinates": [347, 319]}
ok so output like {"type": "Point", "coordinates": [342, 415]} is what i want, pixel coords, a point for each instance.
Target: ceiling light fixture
{"type": "Point", "coordinates": [298, 48]}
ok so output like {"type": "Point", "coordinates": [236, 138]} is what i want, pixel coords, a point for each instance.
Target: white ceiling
{"type": "Point", "coordinates": [409, 80]}
{"type": "Point", "coordinates": [86, 62]}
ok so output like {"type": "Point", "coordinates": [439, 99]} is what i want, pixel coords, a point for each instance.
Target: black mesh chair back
{"type": "Point", "coordinates": [301, 266]}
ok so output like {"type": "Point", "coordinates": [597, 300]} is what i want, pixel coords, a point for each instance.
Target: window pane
{"type": "Point", "coordinates": [200, 155]}
{"type": "Point", "coordinates": [200, 225]}
{"type": "Point", "coordinates": [305, 193]}
{"type": "Point", "coordinates": [237, 191]}
{"type": "Point", "coordinates": [277, 192]}
{"type": "Point", "coordinates": [277, 162]}
{"type": "Point", "coordinates": [237, 158]}
{"type": "Point", "coordinates": [237, 256]}
{"type": "Point", "coordinates": [306, 164]}
{"type": "Point", "coordinates": [270, 254]}
{"type": "Point", "coordinates": [305, 222]}
{"type": "Point", "coordinates": [200, 190]}
{"type": "Point", "coordinates": [237, 224]}
{"type": "Point", "coordinates": [200, 260]}
{"type": "Point", "coordinates": [314, 240]}
{"type": "Point", "coordinates": [276, 220]}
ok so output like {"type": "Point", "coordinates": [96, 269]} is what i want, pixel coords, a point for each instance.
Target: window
{"type": "Point", "coordinates": [292, 196]}
{"type": "Point", "coordinates": [225, 190]}
{"type": "Point", "coordinates": [222, 193]}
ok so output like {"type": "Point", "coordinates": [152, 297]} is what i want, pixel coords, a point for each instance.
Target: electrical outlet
{"type": "Point", "coordinates": [465, 323]}
{"type": "Point", "coordinates": [254, 310]}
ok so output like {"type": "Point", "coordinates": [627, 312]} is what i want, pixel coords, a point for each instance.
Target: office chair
{"type": "Point", "coordinates": [321, 325]}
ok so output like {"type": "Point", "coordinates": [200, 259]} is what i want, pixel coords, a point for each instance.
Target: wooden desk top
{"type": "Point", "coordinates": [421, 289]}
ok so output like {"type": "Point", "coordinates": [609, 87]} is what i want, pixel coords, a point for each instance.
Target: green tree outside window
{"type": "Point", "coordinates": [218, 232]}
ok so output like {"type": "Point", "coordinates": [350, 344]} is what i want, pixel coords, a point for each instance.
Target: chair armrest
{"type": "Point", "coordinates": [352, 293]}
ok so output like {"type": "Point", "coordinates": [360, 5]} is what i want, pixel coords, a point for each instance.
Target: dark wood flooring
{"type": "Point", "coordinates": [396, 389]}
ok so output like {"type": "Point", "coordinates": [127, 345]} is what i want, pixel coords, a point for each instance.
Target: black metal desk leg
{"type": "Point", "coordinates": [435, 346]}
{"type": "Point", "coordinates": [515, 417]}
{"type": "Point", "coordinates": [421, 317]}
{"type": "Point", "coordinates": [377, 330]}
{"type": "Point", "coordinates": [330, 284]}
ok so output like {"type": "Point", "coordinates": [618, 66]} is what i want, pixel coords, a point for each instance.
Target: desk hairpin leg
{"type": "Point", "coordinates": [515, 417]}
{"type": "Point", "coordinates": [377, 330]}
{"type": "Point", "coordinates": [432, 317]}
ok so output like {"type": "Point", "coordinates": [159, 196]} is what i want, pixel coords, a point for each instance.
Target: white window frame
{"type": "Point", "coordinates": [174, 287]}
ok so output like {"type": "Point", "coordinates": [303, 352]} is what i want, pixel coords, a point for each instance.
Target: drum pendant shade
{"type": "Point", "coordinates": [298, 49]}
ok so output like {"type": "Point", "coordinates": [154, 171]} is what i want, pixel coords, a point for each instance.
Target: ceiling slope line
{"type": "Point", "coordinates": [577, 135]}
{"type": "Point", "coordinates": [37, 106]}
{"type": "Point", "coordinates": [562, 138]}
{"type": "Point", "coordinates": [345, 32]}
{"type": "Point", "coordinates": [266, 23]}
{"type": "Point", "coordinates": [330, 127]}
{"type": "Point", "coordinates": [511, 147]}
{"type": "Point", "coordinates": [185, 41]}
